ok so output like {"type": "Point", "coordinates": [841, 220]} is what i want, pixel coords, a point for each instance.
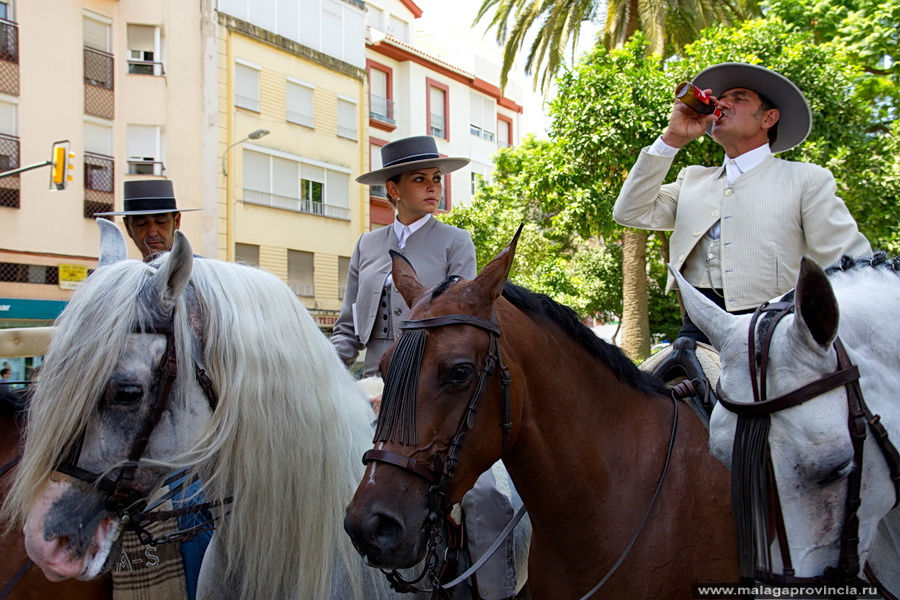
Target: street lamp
{"type": "Point", "coordinates": [253, 135]}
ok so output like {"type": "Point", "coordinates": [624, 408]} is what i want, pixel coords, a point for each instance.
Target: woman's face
{"type": "Point", "coordinates": [418, 193]}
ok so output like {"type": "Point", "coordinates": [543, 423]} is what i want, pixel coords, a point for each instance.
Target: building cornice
{"type": "Point", "coordinates": [413, 8]}
{"type": "Point", "coordinates": [280, 42]}
{"type": "Point", "coordinates": [393, 48]}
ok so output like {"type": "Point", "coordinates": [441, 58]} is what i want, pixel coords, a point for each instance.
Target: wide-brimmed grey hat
{"type": "Point", "coordinates": [408, 154]}
{"type": "Point", "coordinates": [795, 121]}
{"type": "Point", "coordinates": [148, 197]}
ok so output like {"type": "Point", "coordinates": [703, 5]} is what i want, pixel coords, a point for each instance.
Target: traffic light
{"type": "Point", "coordinates": [62, 162]}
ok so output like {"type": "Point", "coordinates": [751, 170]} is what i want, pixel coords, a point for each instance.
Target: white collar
{"type": "Point", "coordinates": [749, 159]}
{"type": "Point", "coordinates": [411, 228]}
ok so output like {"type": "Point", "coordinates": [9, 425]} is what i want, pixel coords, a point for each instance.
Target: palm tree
{"type": "Point", "coordinates": [668, 26]}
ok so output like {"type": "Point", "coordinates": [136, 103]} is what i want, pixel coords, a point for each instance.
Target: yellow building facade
{"type": "Point", "coordinates": [287, 199]}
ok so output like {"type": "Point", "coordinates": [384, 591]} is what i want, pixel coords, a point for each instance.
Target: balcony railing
{"type": "Point", "coordinates": [98, 68]}
{"type": "Point", "coordinates": [437, 126]}
{"type": "Point", "coordinates": [145, 67]}
{"type": "Point", "coordinates": [9, 41]}
{"type": "Point", "coordinates": [99, 183]}
{"type": "Point", "coordinates": [307, 290]}
{"type": "Point", "coordinates": [9, 159]}
{"type": "Point", "coordinates": [146, 167]}
{"type": "Point", "coordinates": [381, 109]}
{"type": "Point", "coordinates": [300, 205]}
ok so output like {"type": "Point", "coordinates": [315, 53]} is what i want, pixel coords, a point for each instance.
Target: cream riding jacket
{"type": "Point", "coordinates": [771, 217]}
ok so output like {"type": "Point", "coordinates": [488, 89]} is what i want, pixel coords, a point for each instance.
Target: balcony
{"type": "Point", "coordinates": [381, 109]}
{"type": "Point", "coordinates": [300, 205]}
{"type": "Point", "coordinates": [9, 159]}
{"type": "Point", "coordinates": [99, 183]}
{"type": "Point", "coordinates": [145, 67]}
{"type": "Point", "coordinates": [9, 58]}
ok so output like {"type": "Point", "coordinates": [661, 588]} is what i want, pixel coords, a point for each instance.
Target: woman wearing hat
{"type": "Point", "coordinates": [740, 229]}
{"type": "Point", "coordinates": [373, 308]}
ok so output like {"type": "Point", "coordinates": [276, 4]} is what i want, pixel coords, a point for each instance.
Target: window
{"type": "Point", "coordinates": [98, 161]}
{"type": "Point", "coordinates": [9, 154]}
{"type": "Point", "coordinates": [247, 254]}
{"type": "Point", "coordinates": [437, 105]}
{"type": "Point", "coordinates": [379, 191]}
{"type": "Point", "coordinates": [98, 138]}
{"type": "Point", "coordinates": [8, 121]}
{"type": "Point", "coordinates": [98, 60]}
{"type": "Point", "coordinates": [477, 180]}
{"type": "Point", "coordinates": [6, 10]}
{"type": "Point", "coordinates": [343, 272]}
{"type": "Point", "coordinates": [9, 33]}
{"type": "Point", "coordinates": [374, 17]}
{"type": "Point", "coordinates": [296, 184]}
{"type": "Point", "coordinates": [504, 131]}
{"type": "Point", "coordinates": [300, 273]}
{"type": "Point", "coordinates": [145, 156]}
{"type": "Point", "coordinates": [97, 32]}
{"type": "Point", "coordinates": [482, 117]}
{"type": "Point", "coordinates": [144, 56]}
{"type": "Point", "coordinates": [381, 103]}
{"type": "Point", "coordinates": [246, 86]}
{"type": "Point", "coordinates": [346, 119]}
{"type": "Point", "coordinates": [398, 28]}
{"type": "Point", "coordinates": [299, 103]}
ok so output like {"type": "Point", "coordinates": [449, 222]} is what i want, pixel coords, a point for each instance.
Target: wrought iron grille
{"type": "Point", "coordinates": [98, 68]}
{"type": "Point", "coordinates": [9, 159]}
{"type": "Point", "coordinates": [99, 183]}
{"type": "Point", "coordinates": [9, 41]}
{"type": "Point", "coordinates": [19, 273]}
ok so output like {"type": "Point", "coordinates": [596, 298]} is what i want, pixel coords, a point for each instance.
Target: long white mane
{"type": "Point", "coordinates": [285, 440]}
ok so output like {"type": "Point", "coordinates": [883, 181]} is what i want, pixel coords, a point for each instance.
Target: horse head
{"type": "Point", "coordinates": [126, 368]}
{"type": "Point", "coordinates": [772, 356]}
{"type": "Point", "coordinates": [439, 427]}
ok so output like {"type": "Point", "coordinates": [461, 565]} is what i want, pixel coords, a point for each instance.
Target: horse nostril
{"type": "Point", "coordinates": [382, 531]}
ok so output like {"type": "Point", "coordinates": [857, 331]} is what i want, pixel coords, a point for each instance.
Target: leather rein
{"type": "Point", "coordinates": [860, 420]}
{"type": "Point", "coordinates": [124, 499]}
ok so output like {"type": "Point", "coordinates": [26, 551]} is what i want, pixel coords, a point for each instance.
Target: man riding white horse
{"type": "Point", "coordinates": [739, 230]}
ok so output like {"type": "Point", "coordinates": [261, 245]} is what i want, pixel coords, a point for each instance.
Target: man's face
{"type": "Point", "coordinates": [153, 233]}
{"type": "Point", "coordinates": [742, 116]}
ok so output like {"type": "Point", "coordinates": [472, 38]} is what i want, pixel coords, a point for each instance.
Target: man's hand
{"type": "Point", "coordinates": [686, 124]}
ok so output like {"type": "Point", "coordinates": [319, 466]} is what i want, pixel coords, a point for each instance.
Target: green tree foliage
{"type": "Point", "coordinates": [615, 102]}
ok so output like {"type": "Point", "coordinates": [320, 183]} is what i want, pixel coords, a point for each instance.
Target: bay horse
{"type": "Point", "coordinates": [810, 385]}
{"type": "Point", "coordinates": [19, 579]}
{"type": "Point", "coordinates": [210, 366]}
{"type": "Point", "coordinates": [592, 445]}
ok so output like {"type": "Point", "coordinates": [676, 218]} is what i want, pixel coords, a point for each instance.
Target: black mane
{"type": "Point", "coordinates": [566, 319]}
{"type": "Point", "coordinates": [878, 260]}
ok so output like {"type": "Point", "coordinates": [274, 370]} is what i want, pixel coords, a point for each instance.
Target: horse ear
{"type": "Point", "coordinates": [489, 283]}
{"type": "Point", "coordinates": [405, 278]}
{"type": "Point", "coordinates": [817, 312]}
{"type": "Point", "coordinates": [112, 243]}
{"type": "Point", "coordinates": [173, 276]}
{"type": "Point", "coordinates": [717, 324]}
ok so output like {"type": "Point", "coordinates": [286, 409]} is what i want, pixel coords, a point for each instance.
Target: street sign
{"type": "Point", "coordinates": [71, 276]}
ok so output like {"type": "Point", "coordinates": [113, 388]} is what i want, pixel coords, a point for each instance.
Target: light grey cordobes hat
{"type": "Point", "coordinates": [408, 154]}
{"type": "Point", "coordinates": [795, 121]}
{"type": "Point", "coordinates": [148, 197]}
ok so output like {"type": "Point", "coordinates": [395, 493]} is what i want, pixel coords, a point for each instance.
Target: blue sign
{"type": "Point", "coordinates": [18, 308]}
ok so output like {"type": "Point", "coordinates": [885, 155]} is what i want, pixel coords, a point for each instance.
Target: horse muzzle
{"type": "Point", "coordinates": [385, 538]}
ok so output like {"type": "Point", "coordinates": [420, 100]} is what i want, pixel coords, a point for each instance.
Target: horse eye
{"type": "Point", "coordinates": [460, 374]}
{"type": "Point", "coordinates": [839, 472]}
{"type": "Point", "coordinates": [126, 395]}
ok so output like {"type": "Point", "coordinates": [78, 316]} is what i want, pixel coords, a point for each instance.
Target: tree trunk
{"type": "Point", "coordinates": [635, 318]}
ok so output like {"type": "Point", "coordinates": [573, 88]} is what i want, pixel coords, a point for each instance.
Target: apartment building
{"type": "Point", "coordinates": [416, 88]}
{"type": "Point", "coordinates": [287, 200]}
{"type": "Point", "coordinates": [119, 80]}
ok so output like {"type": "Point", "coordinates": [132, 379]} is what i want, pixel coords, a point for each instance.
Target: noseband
{"type": "Point", "coordinates": [124, 499]}
{"type": "Point", "coordinates": [754, 489]}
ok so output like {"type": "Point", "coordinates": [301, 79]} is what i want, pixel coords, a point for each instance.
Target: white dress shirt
{"type": "Point", "coordinates": [402, 232]}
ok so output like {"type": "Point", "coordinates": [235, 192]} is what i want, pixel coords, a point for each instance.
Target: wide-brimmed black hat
{"type": "Point", "coordinates": [408, 154]}
{"type": "Point", "coordinates": [148, 197]}
{"type": "Point", "coordinates": [795, 121]}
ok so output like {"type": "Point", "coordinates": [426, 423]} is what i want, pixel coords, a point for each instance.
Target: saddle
{"type": "Point", "coordinates": [691, 369]}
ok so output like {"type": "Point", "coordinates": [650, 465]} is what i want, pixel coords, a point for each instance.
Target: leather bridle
{"type": "Point", "coordinates": [442, 470]}
{"type": "Point", "coordinates": [753, 477]}
{"type": "Point", "coordinates": [124, 499]}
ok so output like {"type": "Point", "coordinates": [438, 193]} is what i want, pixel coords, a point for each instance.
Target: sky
{"type": "Point", "coordinates": [454, 19]}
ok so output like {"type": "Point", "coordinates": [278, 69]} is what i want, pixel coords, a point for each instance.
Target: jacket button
{"type": "Point", "coordinates": [681, 258]}
{"type": "Point", "coordinates": [384, 317]}
{"type": "Point", "coordinates": [397, 311]}
{"type": "Point", "coordinates": [696, 234]}
{"type": "Point", "coordinates": [385, 329]}
{"type": "Point", "coordinates": [715, 213]}
{"type": "Point", "coordinates": [384, 304]}
{"type": "Point", "coordinates": [728, 192]}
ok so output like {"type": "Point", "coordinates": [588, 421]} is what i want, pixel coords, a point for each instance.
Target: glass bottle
{"type": "Point", "coordinates": [690, 95]}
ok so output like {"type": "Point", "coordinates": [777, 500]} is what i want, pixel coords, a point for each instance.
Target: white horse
{"type": "Point", "coordinates": [280, 430]}
{"type": "Point", "coordinates": [810, 444]}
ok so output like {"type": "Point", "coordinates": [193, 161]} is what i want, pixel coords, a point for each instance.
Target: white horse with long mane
{"type": "Point", "coordinates": [282, 433]}
{"type": "Point", "coordinates": [809, 441]}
